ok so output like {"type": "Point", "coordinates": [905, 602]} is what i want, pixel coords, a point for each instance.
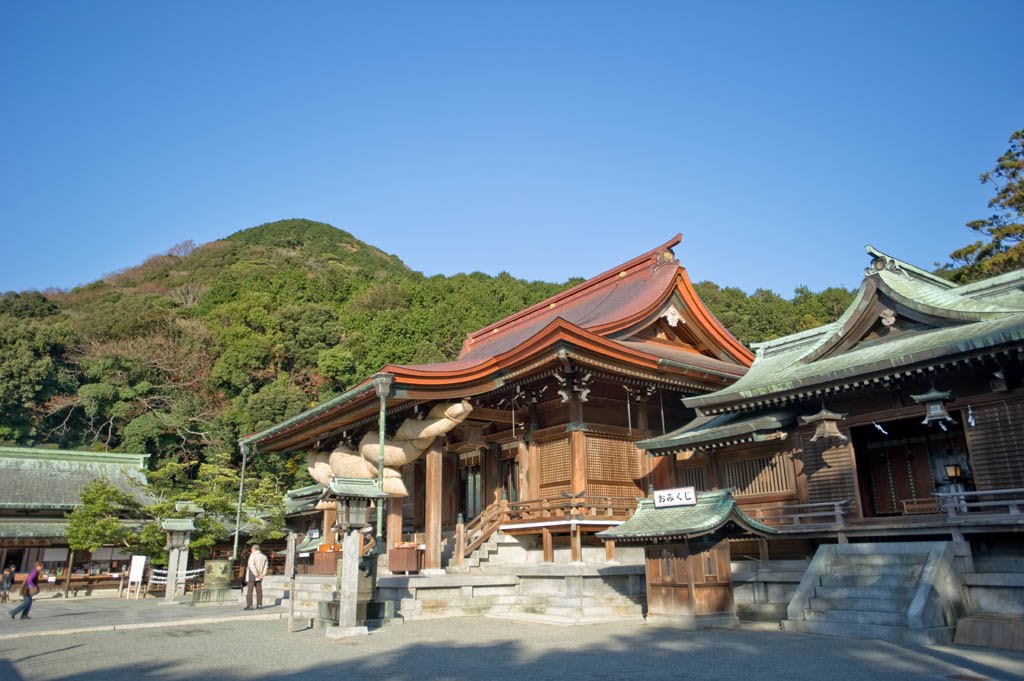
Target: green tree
{"type": "Point", "coordinates": [1001, 248]}
{"type": "Point", "coordinates": [98, 520]}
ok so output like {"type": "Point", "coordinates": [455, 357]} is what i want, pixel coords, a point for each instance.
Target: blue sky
{"type": "Point", "coordinates": [546, 139]}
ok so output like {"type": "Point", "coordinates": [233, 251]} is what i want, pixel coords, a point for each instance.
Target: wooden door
{"type": "Point", "coordinates": [668, 581]}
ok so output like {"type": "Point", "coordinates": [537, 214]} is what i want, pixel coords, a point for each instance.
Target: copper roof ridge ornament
{"type": "Point", "coordinates": [826, 424]}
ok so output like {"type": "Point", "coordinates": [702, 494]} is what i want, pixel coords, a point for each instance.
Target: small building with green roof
{"type": "Point", "coordinates": [39, 487]}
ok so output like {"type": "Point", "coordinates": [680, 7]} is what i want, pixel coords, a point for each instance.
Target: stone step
{"type": "Point", "coordinates": [893, 581]}
{"type": "Point", "coordinates": [894, 619]}
{"type": "Point", "coordinates": [826, 628]}
{"type": "Point", "coordinates": [901, 594]}
{"type": "Point", "coordinates": [936, 635]}
{"type": "Point", "coordinates": [907, 570]}
{"type": "Point", "coordinates": [880, 559]}
{"type": "Point", "coordinates": [1009, 564]}
{"type": "Point", "coordinates": [863, 604]}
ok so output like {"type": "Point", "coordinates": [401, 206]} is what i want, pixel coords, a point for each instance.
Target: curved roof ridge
{"type": "Point", "coordinates": [610, 276]}
{"type": "Point", "coordinates": [882, 261]}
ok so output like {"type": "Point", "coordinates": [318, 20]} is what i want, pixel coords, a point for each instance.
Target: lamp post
{"type": "Point", "coordinates": [382, 384]}
{"type": "Point", "coordinates": [244, 446]}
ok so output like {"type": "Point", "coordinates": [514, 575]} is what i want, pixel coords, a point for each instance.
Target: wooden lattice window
{"type": "Point", "coordinates": [762, 475]}
{"type": "Point", "coordinates": [693, 476]}
{"type": "Point", "coordinates": [612, 467]}
{"type": "Point", "coordinates": [555, 466]}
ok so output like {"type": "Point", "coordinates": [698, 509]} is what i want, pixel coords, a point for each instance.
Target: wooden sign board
{"type": "Point", "coordinates": [677, 496]}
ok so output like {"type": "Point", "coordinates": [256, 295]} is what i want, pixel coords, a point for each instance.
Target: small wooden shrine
{"type": "Point", "coordinates": [531, 429]}
{"type": "Point", "coordinates": [686, 552]}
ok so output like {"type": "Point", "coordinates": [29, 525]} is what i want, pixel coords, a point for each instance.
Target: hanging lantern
{"type": "Point", "coordinates": [826, 424]}
{"type": "Point", "coordinates": [935, 410]}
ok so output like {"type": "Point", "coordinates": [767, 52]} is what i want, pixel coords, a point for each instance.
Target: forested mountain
{"type": "Point", "coordinates": [180, 355]}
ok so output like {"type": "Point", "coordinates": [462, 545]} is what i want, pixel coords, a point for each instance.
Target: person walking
{"type": "Point", "coordinates": [30, 589]}
{"type": "Point", "coordinates": [6, 582]}
{"type": "Point", "coordinates": [255, 571]}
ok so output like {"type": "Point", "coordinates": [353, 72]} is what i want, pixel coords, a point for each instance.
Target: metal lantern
{"type": "Point", "coordinates": [354, 497]}
{"type": "Point", "coordinates": [826, 424]}
{"type": "Point", "coordinates": [353, 513]}
{"type": "Point", "coordinates": [953, 471]}
{"type": "Point", "coordinates": [935, 409]}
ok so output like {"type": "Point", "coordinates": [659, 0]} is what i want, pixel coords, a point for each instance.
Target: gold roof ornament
{"type": "Point", "coordinates": [826, 424]}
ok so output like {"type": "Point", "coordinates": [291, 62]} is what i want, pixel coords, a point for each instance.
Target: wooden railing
{"type": "Point", "coordinates": [471, 536]}
{"type": "Point", "coordinates": [571, 507]}
{"type": "Point", "coordinates": [793, 516]}
{"type": "Point", "coordinates": [991, 502]}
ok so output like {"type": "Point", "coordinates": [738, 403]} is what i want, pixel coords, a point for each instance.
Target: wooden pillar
{"type": "Point", "coordinates": [491, 477]}
{"type": "Point", "coordinates": [549, 550]}
{"type": "Point", "coordinates": [432, 510]}
{"type": "Point", "coordinates": [533, 465]}
{"type": "Point", "coordinates": [330, 517]}
{"type": "Point", "coordinates": [609, 550]}
{"type": "Point", "coordinates": [578, 457]}
{"type": "Point", "coordinates": [576, 543]}
{"type": "Point", "coordinates": [394, 527]}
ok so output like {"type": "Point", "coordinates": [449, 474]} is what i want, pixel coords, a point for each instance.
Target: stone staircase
{"type": "Point", "coordinates": [310, 592]}
{"type": "Point", "coordinates": [905, 591]}
{"type": "Point", "coordinates": [497, 552]}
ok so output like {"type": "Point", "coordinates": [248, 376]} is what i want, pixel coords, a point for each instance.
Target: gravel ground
{"type": "Point", "coordinates": [480, 648]}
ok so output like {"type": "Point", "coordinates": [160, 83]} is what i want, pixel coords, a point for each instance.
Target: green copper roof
{"type": "Point", "coordinates": [357, 487]}
{"type": "Point", "coordinates": [52, 479]}
{"type": "Point", "coordinates": [309, 544]}
{"type": "Point", "coordinates": [714, 511]}
{"type": "Point", "coordinates": [33, 529]}
{"type": "Point", "coordinates": [302, 499]}
{"type": "Point", "coordinates": [178, 525]}
{"type": "Point", "coordinates": [723, 428]}
{"type": "Point", "coordinates": [949, 321]}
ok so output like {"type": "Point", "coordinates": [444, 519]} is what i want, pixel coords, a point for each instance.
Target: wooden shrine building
{"type": "Point", "coordinates": [559, 394]}
{"type": "Point", "coordinates": [38, 487]}
{"type": "Point", "coordinates": [905, 417]}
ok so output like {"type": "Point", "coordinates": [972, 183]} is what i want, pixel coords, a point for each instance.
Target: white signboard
{"type": "Point", "coordinates": [677, 496]}
{"type": "Point", "coordinates": [137, 568]}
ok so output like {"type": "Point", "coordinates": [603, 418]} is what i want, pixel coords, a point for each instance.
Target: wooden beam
{"type": "Point", "coordinates": [432, 510]}
{"type": "Point", "coordinates": [491, 415]}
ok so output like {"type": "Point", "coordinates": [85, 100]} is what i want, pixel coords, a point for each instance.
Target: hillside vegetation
{"type": "Point", "coordinates": [180, 355]}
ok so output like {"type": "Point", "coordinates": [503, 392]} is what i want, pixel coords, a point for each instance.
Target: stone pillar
{"type": "Point", "coordinates": [432, 510]}
{"type": "Point", "coordinates": [177, 563]}
{"type": "Point", "coordinates": [179, 533]}
{"type": "Point", "coordinates": [348, 593]}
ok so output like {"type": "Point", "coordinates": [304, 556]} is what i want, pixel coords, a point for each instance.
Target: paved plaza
{"type": "Point", "coordinates": [111, 640]}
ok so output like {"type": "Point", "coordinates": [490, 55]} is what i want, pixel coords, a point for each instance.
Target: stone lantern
{"type": "Point", "coordinates": [179, 535]}
{"type": "Point", "coordinates": [353, 496]}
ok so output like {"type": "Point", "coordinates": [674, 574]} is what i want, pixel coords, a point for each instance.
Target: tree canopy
{"type": "Point", "coordinates": [181, 355]}
{"type": "Point", "coordinates": [1001, 248]}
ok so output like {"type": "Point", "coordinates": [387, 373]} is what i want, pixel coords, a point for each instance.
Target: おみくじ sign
{"type": "Point", "coordinates": [677, 496]}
